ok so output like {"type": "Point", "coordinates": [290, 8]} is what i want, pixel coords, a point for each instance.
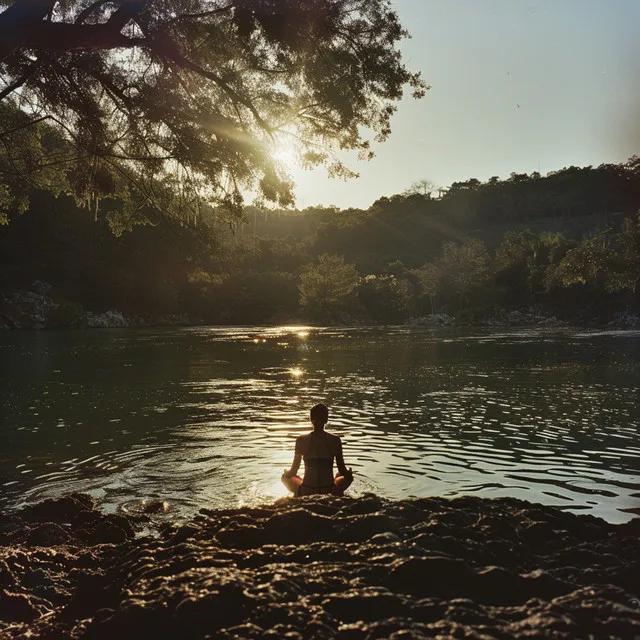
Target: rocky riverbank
{"type": "Point", "coordinates": [319, 568]}
{"type": "Point", "coordinates": [38, 308]}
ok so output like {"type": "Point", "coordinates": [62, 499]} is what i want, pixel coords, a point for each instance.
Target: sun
{"type": "Point", "coordinates": [285, 156]}
{"type": "Point", "coordinates": [284, 151]}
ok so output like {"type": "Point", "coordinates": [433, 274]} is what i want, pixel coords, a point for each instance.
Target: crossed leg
{"type": "Point", "coordinates": [340, 484]}
{"type": "Point", "coordinates": [291, 482]}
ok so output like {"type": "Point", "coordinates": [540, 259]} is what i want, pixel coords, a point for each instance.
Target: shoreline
{"type": "Point", "coordinates": [627, 322]}
{"type": "Point", "coordinates": [319, 567]}
{"type": "Point", "coordinates": [38, 310]}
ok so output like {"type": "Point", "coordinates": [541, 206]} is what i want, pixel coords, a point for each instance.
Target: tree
{"type": "Point", "coordinates": [385, 298]}
{"type": "Point", "coordinates": [430, 278]}
{"type": "Point", "coordinates": [177, 102]}
{"type": "Point", "coordinates": [325, 286]}
{"type": "Point", "coordinates": [421, 187]}
{"type": "Point", "coordinates": [602, 261]}
{"type": "Point", "coordinates": [518, 261]}
{"type": "Point", "coordinates": [524, 260]}
{"type": "Point", "coordinates": [465, 265]}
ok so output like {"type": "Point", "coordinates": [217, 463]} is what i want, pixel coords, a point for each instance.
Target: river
{"type": "Point", "coordinates": [208, 416]}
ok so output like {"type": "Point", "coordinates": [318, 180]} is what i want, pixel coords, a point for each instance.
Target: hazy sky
{"type": "Point", "coordinates": [572, 66]}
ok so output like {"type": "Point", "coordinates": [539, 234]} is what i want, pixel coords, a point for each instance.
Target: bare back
{"type": "Point", "coordinates": [318, 449]}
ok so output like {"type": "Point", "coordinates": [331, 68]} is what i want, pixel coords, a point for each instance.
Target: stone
{"type": "Point", "coordinates": [47, 535]}
{"type": "Point", "coordinates": [17, 607]}
{"type": "Point", "coordinates": [58, 509]}
{"type": "Point", "coordinates": [298, 527]}
{"type": "Point", "coordinates": [367, 605]}
{"type": "Point", "coordinates": [384, 538]}
{"type": "Point", "coordinates": [319, 568]}
{"type": "Point", "coordinates": [433, 576]}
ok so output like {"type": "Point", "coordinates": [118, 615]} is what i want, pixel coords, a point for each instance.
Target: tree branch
{"type": "Point", "coordinates": [16, 21]}
{"type": "Point", "coordinates": [196, 16]}
{"type": "Point", "coordinates": [168, 49]}
{"type": "Point", "coordinates": [129, 10]}
{"type": "Point", "coordinates": [61, 36]}
{"type": "Point", "coordinates": [18, 82]}
{"type": "Point", "coordinates": [23, 126]}
{"type": "Point", "coordinates": [85, 13]}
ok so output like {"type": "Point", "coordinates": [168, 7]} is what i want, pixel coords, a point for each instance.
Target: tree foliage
{"type": "Point", "coordinates": [326, 285]}
{"type": "Point", "coordinates": [430, 278]}
{"type": "Point", "coordinates": [603, 261]}
{"type": "Point", "coordinates": [384, 264]}
{"type": "Point", "coordinates": [182, 102]}
{"type": "Point", "coordinates": [465, 265]}
{"type": "Point", "coordinates": [385, 298]}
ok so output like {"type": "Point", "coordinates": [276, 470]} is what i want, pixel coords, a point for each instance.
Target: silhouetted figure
{"type": "Point", "coordinates": [318, 449]}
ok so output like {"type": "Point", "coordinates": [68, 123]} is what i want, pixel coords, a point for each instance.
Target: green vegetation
{"type": "Point", "coordinates": [159, 117]}
{"type": "Point", "coordinates": [406, 256]}
{"type": "Point", "coordinates": [171, 106]}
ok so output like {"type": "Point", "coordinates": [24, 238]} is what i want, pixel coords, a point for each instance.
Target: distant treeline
{"type": "Point", "coordinates": [567, 243]}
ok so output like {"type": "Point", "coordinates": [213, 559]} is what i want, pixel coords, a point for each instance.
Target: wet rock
{"type": "Point", "coordinates": [385, 538]}
{"type": "Point", "coordinates": [247, 630]}
{"type": "Point", "coordinates": [541, 584]}
{"type": "Point", "coordinates": [47, 535]}
{"type": "Point", "coordinates": [447, 545]}
{"type": "Point", "coordinates": [196, 616]}
{"type": "Point", "coordinates": [361, 528]}
{"type": "Point", "coordinates": [9, 524]}
{"type": "Point", "coordinates": [7, 579]}
{"type": "Point", "coordinates": [110, 529]}
{"type": "Point", "coordinates": [433, 576]}
{"type": "Point", "coordinates": [299, 527]}
{"type": "Point", "coordinates": [184, 533]}
{"type": "Point", "coordinates": [320, 567]}
{"type": "Point", "coordinates": [282, 631]}
{"type": "Point", "coordinates": [58, 509]}
{"type": "Point", "coordinates": [17, 607]}
{"type": "Point", "coordinates": [366, 605]}
{"type": "Point", "coordinates": [497, 585]}
{"type": "Point", "coordinates": [155, 506]}
{"type": "Point", "coordinates": [241, 538]}
{"type": "Point", "coordinates": [367, 504]}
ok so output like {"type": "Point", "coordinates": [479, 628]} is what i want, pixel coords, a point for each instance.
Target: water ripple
{"type": "Point", "coordinates": [206, 416]}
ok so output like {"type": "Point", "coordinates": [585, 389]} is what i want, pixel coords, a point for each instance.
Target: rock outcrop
{"type": "Point", "coordinates": [320, 567]}
{"type": "Point", "coordinates": [40, 309]}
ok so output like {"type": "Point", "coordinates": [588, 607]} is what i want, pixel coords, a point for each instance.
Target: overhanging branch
{"type": "Point", "coordinates": [167, 49]}
{"type": "Point", "coordinates": [16, 21]}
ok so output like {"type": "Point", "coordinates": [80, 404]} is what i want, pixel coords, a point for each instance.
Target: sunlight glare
{"type": "Point", "coordinates": [285, 155]}
{"type": "Point", "coordinates": [258, 494]}
{"type": "Point", "coordinates": [296, 372]}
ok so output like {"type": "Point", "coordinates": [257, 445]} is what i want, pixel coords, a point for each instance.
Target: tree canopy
{"type": "Point", "coordinates": [180, 102]}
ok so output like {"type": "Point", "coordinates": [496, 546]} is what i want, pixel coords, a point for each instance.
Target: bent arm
{"type": "Point", "coordinates": [342, 469]}
{"type": "Point", "coordinates": [297, 457]}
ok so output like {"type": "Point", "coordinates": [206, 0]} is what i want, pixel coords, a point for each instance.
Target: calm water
{"type": "Point", "coordinates": [208, 417]}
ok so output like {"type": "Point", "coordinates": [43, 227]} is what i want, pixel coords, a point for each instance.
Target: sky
{"type": "Point", "coordinates": [516, 85]}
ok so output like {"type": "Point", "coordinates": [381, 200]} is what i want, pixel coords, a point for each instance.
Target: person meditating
{"type": "Point", "coordinates": [318, 449]}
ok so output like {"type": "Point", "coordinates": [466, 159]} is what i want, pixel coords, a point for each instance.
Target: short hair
{"type": "Point", "coordinates": [319, 413]}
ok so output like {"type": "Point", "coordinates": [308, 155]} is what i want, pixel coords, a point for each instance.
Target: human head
{"type": "Point", "coordinates": [319, 414]}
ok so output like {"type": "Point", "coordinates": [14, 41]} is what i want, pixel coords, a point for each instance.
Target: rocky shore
{"type": "Point", "coordinates": [319, 567]}
{"type": "Point", "coordinates": [38, 308]}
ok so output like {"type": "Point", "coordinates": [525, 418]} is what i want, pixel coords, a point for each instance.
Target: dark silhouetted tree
{"type": "Point", "coordinates": [185, 101]}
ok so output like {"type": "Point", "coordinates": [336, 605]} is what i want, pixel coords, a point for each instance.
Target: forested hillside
{"type": "Point", "coordinates": [567, 243]}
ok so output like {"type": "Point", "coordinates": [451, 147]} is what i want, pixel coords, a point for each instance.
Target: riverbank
{"type": "Point", "coordinates": [319, 568]}
{"type": "Point", "coordinates": [39, 309]}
